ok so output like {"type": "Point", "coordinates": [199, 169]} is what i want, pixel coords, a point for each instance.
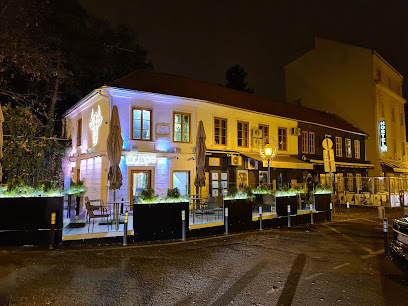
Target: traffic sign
{"type": "Point", "coordinates": [327, 143]}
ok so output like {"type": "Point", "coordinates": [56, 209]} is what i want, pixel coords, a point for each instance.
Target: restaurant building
{"type": "Point", "coordinates": [159, 115]}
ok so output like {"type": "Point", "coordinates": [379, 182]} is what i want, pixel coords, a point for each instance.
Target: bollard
{"type": "Point", "coordinates": [226, 220]}
{"type": "Point", "coordinates": [288, 215]}
{"type": "Point", "coordinates": [183, 225]}
{"type": "Point", "coordinates": [385, 237]}
{"type": "Point", "coordinates": [260, 218]}
{"type": "Point", "coordinates": [311, 214]}
{"type": "Point", "coordinates": [348, 210]}
{"type": "Point", "coordinates": [331, 211]}
{"type": "Point", "coordinates": [53, 218]}
{"type": "Point", "coordinates": [125, 228]}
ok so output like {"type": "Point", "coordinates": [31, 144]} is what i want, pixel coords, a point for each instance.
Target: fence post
{"type": "Point", "coordinates": [348, 210]}
{"type": "Point", "coordinates": [125, 228]}
{"type": "Point", "coordinates": [331, 211]}
{"type": "Point", "coordinates": [260, 218]}
{"type": "Point", "coordinates": [385, 237]}
{"type": "Point", "coordinates": [183, 225]}
{"type": "Point", "coordinates": [288, 215]}
{"type": "Point", "coordinates": [311, 214]}
{"type": "Point", "coordinates": [226, 220]}
{"type": "Point", "coordinates": [53, 218]}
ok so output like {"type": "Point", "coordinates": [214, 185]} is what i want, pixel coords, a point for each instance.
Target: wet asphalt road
{"type": "Point", "coordinates": [338, 263]}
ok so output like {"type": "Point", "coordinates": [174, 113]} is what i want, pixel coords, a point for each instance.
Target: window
{"type": "Point", "coordinates": [282, 138]}
{"type": "Point", "coordinates": [141, 124]}
{"type": "Point", "coordinates": [265, 130]}
{"type": "Point", "coordinates": [339, 147]}
{"type": "Point", "coordinates": [242, 128]}
{"type": "Point", "coordinates": [79, 133]}
{"type": "Point", "coordinates": [311, 142]}
{"type": "Point", "coordinates": [348, 147]}
{"type": "Point", "coordinates": [181, 127]}
{"type": "Point", "coordinates": [181, 180]}
{"type": "Point", "coordinates": [357, 149]}
{"type": "Point", "coordinates": [350, 181]}
{"type": "Point", "coordinates": [220, 131]}
{"type": "Point", "coordinates": [305, 142]}
{"type": "Point", "coordinates": [358, 181]}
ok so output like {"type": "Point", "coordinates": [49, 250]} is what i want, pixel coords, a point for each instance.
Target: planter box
{"type": "Point", "coordinates": [27, 221]}
{"type": "Point", "coordinates": [282, 205]}
{"type": "Point", "coordinates": [322, 201]}
{"type": "Point", "coordinates": [239, 215]}
{"type": "Point", "coordinates": [161, 221]}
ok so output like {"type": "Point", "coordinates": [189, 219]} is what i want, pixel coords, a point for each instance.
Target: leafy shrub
{"type": "Point", "coordinates": [261, 189]}
{"type": "Point", "coordinates": [173, 193]}
{"type": "Point", "coordinates": [147, 195]}
{"type": "Point", "coordinates": [232, 192]}
{"type": "Point", "coordinates": [76, 188]}
{"type": "Point", "coordinates": [323, 189]}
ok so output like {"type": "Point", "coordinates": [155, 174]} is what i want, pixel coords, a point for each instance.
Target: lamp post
{"type": "Point", "coordinates": [267, 150]}
{"type": "Point", "coordinates": [268, 153]}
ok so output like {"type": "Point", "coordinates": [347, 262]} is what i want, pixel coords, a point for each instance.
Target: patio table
{"type": "Point", "coordinates": [116, 207]}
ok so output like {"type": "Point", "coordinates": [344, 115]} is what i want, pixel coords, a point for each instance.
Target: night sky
{"type": "Point", "coordinates": [200, 40]}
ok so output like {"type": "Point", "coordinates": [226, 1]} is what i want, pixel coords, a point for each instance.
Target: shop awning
{"type": "Point", "coordinates": [344, 164]}
{"type": "Point", "coordinates": [397, 166]}
{"type": "Point", "coordinates": [281, 161]}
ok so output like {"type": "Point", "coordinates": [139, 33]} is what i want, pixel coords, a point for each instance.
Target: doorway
{"type": "Point", "coordinates": [181, 180]}
{"type": "Point", "coordinates": [141, 179]}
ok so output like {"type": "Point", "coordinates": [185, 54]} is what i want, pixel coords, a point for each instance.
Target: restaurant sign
{"type": "Point", "coordinates": [140, 160]}
{"type": "Point", "coordinates": [383, 137]}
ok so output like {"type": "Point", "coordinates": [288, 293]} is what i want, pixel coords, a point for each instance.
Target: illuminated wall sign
{"type": "Point", "coordinates": [140, 160]}
{"type": "Point", "coordinates": [94, 124]}
{"type": "Point", "coordinates": [383, 138]}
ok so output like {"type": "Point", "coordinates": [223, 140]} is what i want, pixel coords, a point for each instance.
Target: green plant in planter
{"type": "Point", "coordinates": [17, 188]}
{"type": "Point", "coordinates": [298, 189]}
{"type": "Point", "coordinates": [173, 193]}
{"type": "Point", "coordinates": [174, 196]}
{"type": "Point", "coordinates": [261, 189]}
{"type": "Point", "coordinates": [148, 196]}
{"type": "Point", "coordinates": [235, 194]}
{"type": "Point", "coordinates": [285, 192]}
{"type": "Point", "coordinates": [323, 189]}
{"type": "Point", "coordinates": [76, 189]}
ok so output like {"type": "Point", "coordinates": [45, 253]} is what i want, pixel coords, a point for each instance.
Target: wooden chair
{"type": "Point", "coordinates": [95, 212]}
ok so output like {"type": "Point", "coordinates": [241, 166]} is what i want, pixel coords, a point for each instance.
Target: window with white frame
{"type": "Point", "coordinates": [311, 142]}
{"type": "Point", "coordinates": [348, 147]}
{"type": "Point", "coordinates": [282, 138]}
{"type": "Point", "coordinates": [339, 146]}
{"type": "Point", "coordinates": [305, 142]}
{"type": "Point", "coordinates": [357, 149]}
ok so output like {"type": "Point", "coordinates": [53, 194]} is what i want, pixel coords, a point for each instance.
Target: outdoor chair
{"type": "Point", "coordinates": [95, 212]}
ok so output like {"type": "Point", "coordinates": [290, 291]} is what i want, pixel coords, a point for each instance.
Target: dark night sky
{"type": "Point", "coordinates": [200, 40]}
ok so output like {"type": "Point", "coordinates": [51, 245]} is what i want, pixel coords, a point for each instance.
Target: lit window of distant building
{"type": "Point", "coordinates": [265, 130]}
{"type": "Point", "coordinates": [305, 142]}
{"type": "Point", "coordinates": [311, 142]}
{"type": "Point", "coordinates": [282, 138]}
{"type": "Point", "coordinates": [141, 124]}
{"type": "Point", "coordinates": [220, 131]}
{"type": "Point", "coordinates": [181, 127]}
{"type": "Point", "coordinates": [242, 129]}
{"type": "Point", "coordinates": [348, 147]}
{"type": "Point", "coordinates": [339, 146]}
{"type": "Point", "coordinates": [357, 149]}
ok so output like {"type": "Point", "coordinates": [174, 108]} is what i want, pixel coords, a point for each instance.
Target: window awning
{"type": "Point", "coordinates": [344, 164]}
{"type": "Point", "coordinates": [397, 166]}
{"type": "Point", "coordinates": [281, 161]}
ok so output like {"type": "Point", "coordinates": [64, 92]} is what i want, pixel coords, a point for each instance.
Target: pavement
{"type": "Point", "coordinates": [336, 263]}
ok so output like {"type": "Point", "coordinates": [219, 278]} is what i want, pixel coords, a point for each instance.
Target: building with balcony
{"type": "Point", "coordinates": [361, 87]}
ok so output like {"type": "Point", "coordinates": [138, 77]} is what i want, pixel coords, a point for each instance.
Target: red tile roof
{"type": "Point", "coordinates": [154, 82]}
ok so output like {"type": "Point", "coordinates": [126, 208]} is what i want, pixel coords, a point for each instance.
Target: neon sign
{"type": "Point", "coordinates": [140, 160]}
{"type": "Point", "coordinates": [383, 138]}
{"type": "Point", "coordinates": [94, 124]}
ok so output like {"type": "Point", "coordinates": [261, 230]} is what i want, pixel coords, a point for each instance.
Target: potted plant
{"type": "Point", "coordinates": [322, 197]}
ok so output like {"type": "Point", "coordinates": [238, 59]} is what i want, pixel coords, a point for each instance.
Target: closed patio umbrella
{"type": "Point", "coordinates": [200, 150]}
{"type": "Point", "coordinates": [114, 145]}
{"type": "Point", "coordinates": [1, 142]}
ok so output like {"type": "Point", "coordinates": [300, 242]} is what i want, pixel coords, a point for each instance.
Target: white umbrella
{"type": "Point", "coordinates": [200, 150]}
{"type": "Point", "coordinates": [114, 145]}
{"type": "Point", "coordinates": [1, 142]}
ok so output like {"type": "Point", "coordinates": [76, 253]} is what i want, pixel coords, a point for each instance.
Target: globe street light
{"type": "Point", "coordinates": [267, 150]}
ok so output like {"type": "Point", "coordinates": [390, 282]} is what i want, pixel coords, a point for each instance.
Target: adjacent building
{"type": "Point", "coordinates": [360, 86]}
{"type": "Point", "coordinates": [159, 115]}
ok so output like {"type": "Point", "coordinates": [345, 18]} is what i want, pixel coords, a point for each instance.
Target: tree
{"type": "Point", "coordinates": [26, 153]}
{"type": "Point", "coordinates": [235, 78]}
{"type": "Point", "coordinates": [53, 51]}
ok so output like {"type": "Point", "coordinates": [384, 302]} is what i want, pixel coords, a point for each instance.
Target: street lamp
{"type": "Point", "coordinates": [268, 152]}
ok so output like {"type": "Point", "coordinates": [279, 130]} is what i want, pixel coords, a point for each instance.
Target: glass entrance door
{"type": "Point", "coordinates": [181, 180]}
{"type": "Point", "coordinates": [141, 179]}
